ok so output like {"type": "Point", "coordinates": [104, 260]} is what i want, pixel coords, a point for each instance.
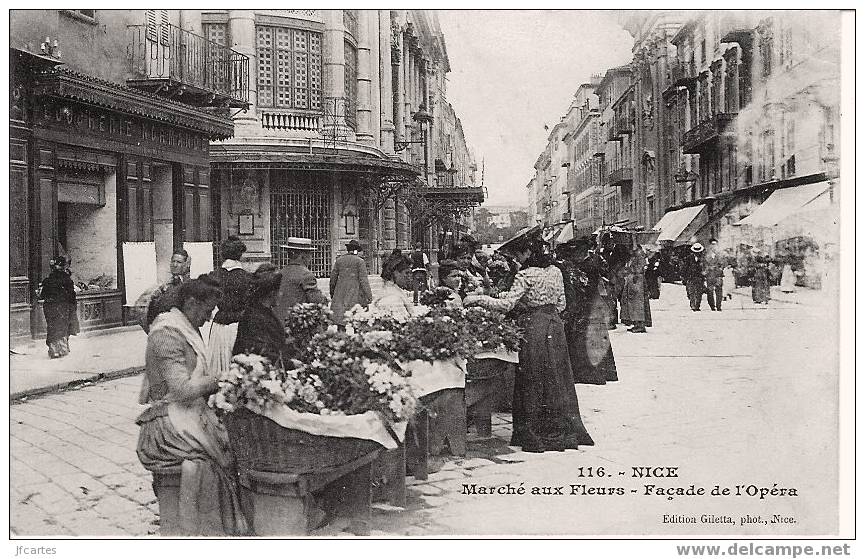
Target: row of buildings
{"type": "Point", "coordinates": [718, 115]}
{"type": "Point", "coordinates": [133, 132]}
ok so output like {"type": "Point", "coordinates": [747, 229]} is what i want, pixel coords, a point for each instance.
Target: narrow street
{"type": "Point", "coordinates": [700, 392]}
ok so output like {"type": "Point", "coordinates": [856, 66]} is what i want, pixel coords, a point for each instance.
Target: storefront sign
{"type": "Point", "coordinates": [108, 125]}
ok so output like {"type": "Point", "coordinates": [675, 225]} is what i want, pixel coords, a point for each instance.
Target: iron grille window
{"type": "Point", "coordinates": [301, 209]}
{"type": "Point", "coordinates": [289, 68]}
{"type": "Point", "coordinates": [350, 84]}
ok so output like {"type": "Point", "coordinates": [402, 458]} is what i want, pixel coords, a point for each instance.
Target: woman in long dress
{"type": "Point", "coordinates": [59, 306]}
{"type": "Point", "coordinates": [179, 429]}
{"type": "Point", "coordinates": [788, 279]}
{"type": "Point", "coordinates": [546, 414]}
{"type": "Point", "coordinates": [589, 347]}
{"type": "Point", "coordinates": [760, 287]}
{"type": "Point", "coordinates": [235, 283]}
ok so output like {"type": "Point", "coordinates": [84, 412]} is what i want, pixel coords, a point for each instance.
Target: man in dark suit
{"type": "Point", "coordinates": [713, 270]}
{"type": "Point", "coordinates": [693, 276]}
{"type": "Point", "coordinates": [349, 284]}
{"type": "Point", "coordinates": [298, 282]}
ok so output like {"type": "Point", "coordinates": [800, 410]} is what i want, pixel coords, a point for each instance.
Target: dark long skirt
{"type": "Point", "coordinates": [61, 322]}
{"type": "Point", "coordinates": [546, 415]}
{"type": "Point", "coordinates": [760, 289]}
{"type": "Point", "coordinates": [589, 346]}
{"type": "Point", "coordinates": [653, 288]}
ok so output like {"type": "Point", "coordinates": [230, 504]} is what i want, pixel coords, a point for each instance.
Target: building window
{"type": "Point", "coordinates": [157, 25]}
{"type": "Point", "coordinates": [731, 82]}
{"type": "Point", "coordinates": [785, 48]}
{"type": "Point", "coordinates": [289, 68]}
{"type": "Point", "coordinates": [350, 84]}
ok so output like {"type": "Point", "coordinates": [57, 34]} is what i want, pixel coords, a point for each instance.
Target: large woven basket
{"type": "Point", "coordinates": [263, 445]}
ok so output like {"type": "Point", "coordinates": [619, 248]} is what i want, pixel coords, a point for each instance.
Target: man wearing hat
{"type": "Point", "coordinates": [298, 282]}
{"type": "Point", "coordinates": [714, 272]}
{"type": "Point", "coordinates": [349, 284]}
{"type": "Point", "coordinates": [693, 275]}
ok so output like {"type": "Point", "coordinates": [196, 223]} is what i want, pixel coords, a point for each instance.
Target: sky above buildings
{"type": "Point", "coordinates": [514, 71]}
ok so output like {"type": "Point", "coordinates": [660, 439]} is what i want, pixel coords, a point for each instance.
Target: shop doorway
{"type": "Point", "coordinates": [163, 217]}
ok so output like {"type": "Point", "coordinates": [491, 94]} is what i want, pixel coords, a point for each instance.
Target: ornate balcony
{"type": "Point", "coordinates": [623, 176]}
{"type": "Point", "coordinates": [175, 63]}
{"type": "Point", "coordinates": [701, 137]}
{"type": "Point", "coordinates": [274, 119]}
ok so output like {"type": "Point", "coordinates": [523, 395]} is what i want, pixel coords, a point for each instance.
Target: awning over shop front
{"type": "Point", "coordinates": [566, 234]}
{"type": "Point", "coordinates": [679, 225]}
{"type": "Point", "coordinates": [785, 202]}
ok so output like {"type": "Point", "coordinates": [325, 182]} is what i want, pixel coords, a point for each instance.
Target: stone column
{"type": "Point", "coordinates": [375, 77]}
{"type": "Point", "coordinates": [241, 30]}
{"type": "Point", "coordinates": [334, 56]}
{"type": "Point", "coordinates": [386, 101]}
{"type": "Point", "coordinates": [398, 67]}
{"type": "Point", "coordinates": [364, 85]}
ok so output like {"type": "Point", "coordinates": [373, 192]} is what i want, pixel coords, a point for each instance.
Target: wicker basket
{"type": "Point", "coordinates": [263, 445]}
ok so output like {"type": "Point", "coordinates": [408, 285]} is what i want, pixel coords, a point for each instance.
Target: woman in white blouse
{"type": "Point", "coordinates": [394, 299]}
{"type": "Point", "coordinates": [546, 415]}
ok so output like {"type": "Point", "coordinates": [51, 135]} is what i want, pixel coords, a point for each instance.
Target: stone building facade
{"type": "Point", "coordinates": [715, 113]}
{"type": "Point", "coordinates": [346, 107]}
{"type": "Point", "coordinates": [110, 132]}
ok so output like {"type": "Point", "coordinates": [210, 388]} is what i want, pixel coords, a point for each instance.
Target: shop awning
{"type": "Point", "coordinates": [566, 234]}
{"type": "Point", "coordinates": [679, 225]}
{"type": "Point", "coordinates": [783, 203]}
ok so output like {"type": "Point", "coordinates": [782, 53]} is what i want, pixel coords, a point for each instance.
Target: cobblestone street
{"type": "Point", "coordinates": [745, 396]}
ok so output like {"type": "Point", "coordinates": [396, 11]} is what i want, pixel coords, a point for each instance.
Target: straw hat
{"type": "Point", "coordinates": [697, 247]}
{"type": "Point", "coordinates": [298, 243]}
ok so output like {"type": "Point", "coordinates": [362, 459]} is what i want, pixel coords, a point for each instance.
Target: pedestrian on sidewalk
{"type": "Point", "coordinates": [179, 429]}
{"type": "Point", "coordinates": [788, 278]}
{"type": "Point", "coordinates": [260, 331]}
{"type": "Point", "coordinates": [713, 270]}
{"type": "Point", "coordinates": [546, 414]}
{"type": "Point", "coordinates": [693, 275]}
{"type": "Point", "coordinates": [635, 301]}
{"type": "Point", "coordinates": [653, 271]}
{"type": "Point", "coordinates": [419, 271]}
{"type": "Point", "coordinates": [298, 282]}
{"type": "Point", "coordinates": [760, 287]}
{"type": "Point", "coordinates": [349, 283]}
{"type": "Point", "coordinates": [235, 283]}
{"type": "Point", "coordinates": [60, 307]}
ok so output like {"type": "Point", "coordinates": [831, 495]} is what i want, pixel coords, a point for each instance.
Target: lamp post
{"type": "Point", "coordinates": [685, 176]}
{"type": "Point", "coordinates": [423, 118]}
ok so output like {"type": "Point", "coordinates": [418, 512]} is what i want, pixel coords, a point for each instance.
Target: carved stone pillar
{"type": "Point", "coordinates": [241, 29]}
{"type": "Point", "coordinates": [386, 101]}
{"type": "Point", "coordinates": [364, 82]}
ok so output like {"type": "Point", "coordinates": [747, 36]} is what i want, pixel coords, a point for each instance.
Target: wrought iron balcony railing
{"type": "Point", "coordinates": [170, 61]}
{"type": "Point", "coordinates": [623, 176]}
{"type": "Point", "coordinates": [702, 136]}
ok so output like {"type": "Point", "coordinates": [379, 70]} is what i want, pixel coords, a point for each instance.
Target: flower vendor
{"type": "Point", "coordinates": [179, 429]}
{"type": "Point", "coordinates": [545, 410]}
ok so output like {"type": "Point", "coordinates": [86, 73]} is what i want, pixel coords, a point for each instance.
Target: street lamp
{"type": "Point", "coordinates": [423, 118]}
{"type": "Point", "coordinates": [685, 176]}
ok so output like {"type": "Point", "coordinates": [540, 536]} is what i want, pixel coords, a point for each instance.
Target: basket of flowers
{"type": "Point", "coordinates": [345, 402]}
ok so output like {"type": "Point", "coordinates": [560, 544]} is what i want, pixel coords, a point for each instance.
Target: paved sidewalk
{"type": "Point", "coordinates": [96, 355]}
